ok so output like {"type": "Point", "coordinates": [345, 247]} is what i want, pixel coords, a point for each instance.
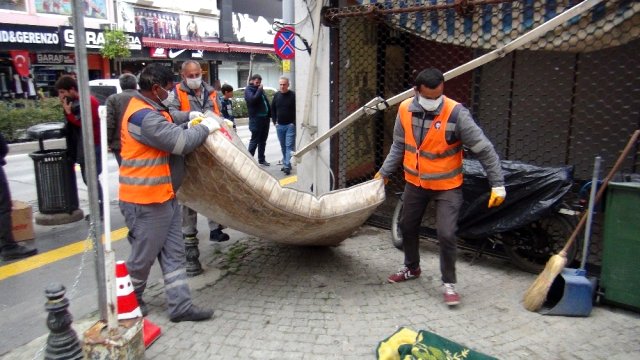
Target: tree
{"type": "Point", "coordinates": [116, 45]}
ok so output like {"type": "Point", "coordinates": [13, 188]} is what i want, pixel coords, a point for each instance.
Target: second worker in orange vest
{"type": "Point", "coordinates": [428, 136]}
{"type": "Point", "coordinates": [195, 96]}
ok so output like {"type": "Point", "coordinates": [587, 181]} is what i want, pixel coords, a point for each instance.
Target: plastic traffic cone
{"type": "Point", "coordinates": [127, 304]}
{"type": "Point", "coordinates": [150, 332]}
{"type": "Point", "coordinates": [128, 307]}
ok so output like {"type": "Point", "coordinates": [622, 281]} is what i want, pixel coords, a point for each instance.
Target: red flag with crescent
{"type": "Point", "coordinates": [20, 61]}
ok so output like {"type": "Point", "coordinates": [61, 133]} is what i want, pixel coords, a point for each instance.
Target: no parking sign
{"type": "Point", "coordinates": [283, 43]}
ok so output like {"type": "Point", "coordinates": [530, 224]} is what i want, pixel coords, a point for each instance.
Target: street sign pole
{"type": "Point", "coordinates": [288, 18]}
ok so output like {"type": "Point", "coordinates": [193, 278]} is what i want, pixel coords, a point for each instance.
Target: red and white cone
{"type": "Point", "coordinates": [128, 307]}
{"type": "Point", "coordinates": [127, 304]}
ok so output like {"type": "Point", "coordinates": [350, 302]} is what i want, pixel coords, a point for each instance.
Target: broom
{"type": "Point", "coordinates": [536, 295]}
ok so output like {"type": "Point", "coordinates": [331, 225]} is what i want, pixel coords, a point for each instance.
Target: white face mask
{"type": "Point", "coordinates": [429, 104]}
{"type": "Point", "coordinates": [194, 83]}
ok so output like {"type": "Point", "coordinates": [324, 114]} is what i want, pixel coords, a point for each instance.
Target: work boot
{"type": "Point", "coordinates": [451, 297]}
{"type": "Point", "coordinates": [194, 314]}
{"type": "Point", "coordinates": [404, 274]}
{"type": "Point", "coordinates": [15, 251]}
{"type": "Point", "coordinates": [264, 163]}
{"type": "Point", "coordinates": [143, 305]}
{"type": "Point", "coordinates": [217, 235]}
{"type": "Point", "coordinates": [287, 171]}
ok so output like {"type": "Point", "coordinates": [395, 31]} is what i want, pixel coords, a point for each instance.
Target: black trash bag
{"type": "Point", "coordinates": [532, 193]}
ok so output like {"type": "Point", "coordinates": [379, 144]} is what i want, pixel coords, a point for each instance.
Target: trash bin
{"type": "Point", "coordinates": [55, 177]}
{"type": "Point", "coordinates": [621, 246]}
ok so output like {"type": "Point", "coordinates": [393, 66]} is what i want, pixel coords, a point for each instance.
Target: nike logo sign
{"type": "Point", "coordinates": [173, 54]}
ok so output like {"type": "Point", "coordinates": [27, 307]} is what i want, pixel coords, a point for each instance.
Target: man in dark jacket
{"type": "Point", "coordinates": [259, 114]}
{"type": "Point", "coordinates": [284, 118]}
{"type": "Point", "coordinates": [116, 103]}
{"type": "Point", "coordinates": [9, 249]}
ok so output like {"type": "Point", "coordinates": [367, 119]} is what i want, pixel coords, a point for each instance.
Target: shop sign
{"type": "Point", "coordinates": [28, 37]}
{"type": "Point", "coordinates": [53, 59]}
{"type": "Point", "coordinates": [197, 54]}
{"type": "Point", "coordinates": [94, 39]}
{"type": "Point", "coordinates": [158, 53]}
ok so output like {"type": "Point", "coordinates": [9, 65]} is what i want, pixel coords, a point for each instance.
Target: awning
{"type": "Point", "coordinates": [180, 44]}
{"type": "Point", "coordinates": [206, 46]}
{"type": "Point", "coordinates": [251, 49]}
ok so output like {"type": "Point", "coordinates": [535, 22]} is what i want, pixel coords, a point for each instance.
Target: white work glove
{"type": "Point", "coordinates": [229, 123]}
{"type": "Point", "coordinates": [195, 114]}
{"type": "Point", "coordinates": [497, 196]}
{"type": "Point", "coordinates": [211, 124]}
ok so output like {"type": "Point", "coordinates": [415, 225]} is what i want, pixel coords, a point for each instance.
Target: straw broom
{"type": "Point", "coordinates": [536, 295]}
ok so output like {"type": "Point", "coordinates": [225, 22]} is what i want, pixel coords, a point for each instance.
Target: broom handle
{"type": "Point", "coordinates": [603, 187]}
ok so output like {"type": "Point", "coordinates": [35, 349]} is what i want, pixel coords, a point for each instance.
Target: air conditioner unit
{"type": "Point", "coordinates": [109, 26]}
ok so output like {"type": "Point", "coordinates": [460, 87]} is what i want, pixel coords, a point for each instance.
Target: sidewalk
{"type": "Point", "coordinates": [282, 302]}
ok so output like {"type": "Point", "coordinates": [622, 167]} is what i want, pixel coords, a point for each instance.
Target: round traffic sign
{"type": "Point", "coordinates": [283, 43]}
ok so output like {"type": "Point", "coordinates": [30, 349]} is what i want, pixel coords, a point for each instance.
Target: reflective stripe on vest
{"type": "Point", "coordinates": [435, 164]}
{"type": "Point", "coordinates": [185, 104]}
{"type": "Point", "coordinates": [145, 176]}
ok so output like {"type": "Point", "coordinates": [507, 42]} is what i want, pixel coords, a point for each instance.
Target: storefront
{"type": "Point", "coordinates": [17, 43]}
{"type": "Point", "coordinates": [40, 54]}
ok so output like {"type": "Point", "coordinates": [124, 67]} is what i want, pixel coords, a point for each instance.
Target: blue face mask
{"type": "Point", "coordinates": [430, 104]}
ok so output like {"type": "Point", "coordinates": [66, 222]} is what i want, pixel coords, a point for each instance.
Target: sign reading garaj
{"type": "Point", "coordinates": [95, 39]}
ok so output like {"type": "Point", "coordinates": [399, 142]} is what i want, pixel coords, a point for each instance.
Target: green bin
{"type": "Point", "coordinates": [620, 277]}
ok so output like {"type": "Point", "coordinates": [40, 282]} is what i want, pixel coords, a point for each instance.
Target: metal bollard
{"type": "Point", "coordinates": [62, 342]}
{"type": "Point", "coordinates": [192, 253]}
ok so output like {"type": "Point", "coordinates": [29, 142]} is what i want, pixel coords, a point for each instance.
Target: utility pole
{"type": "Point", "coordinates": [95, 228]}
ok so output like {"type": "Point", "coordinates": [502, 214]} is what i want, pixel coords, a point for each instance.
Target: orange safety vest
{"type": "Point", "coordinates": [185, 104]}
{"type": "Point", "coordinates": [145, 176]}
{"type": "Point", "coordinates": [435, 165]}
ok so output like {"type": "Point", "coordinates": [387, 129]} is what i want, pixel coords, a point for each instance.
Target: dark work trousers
{"type": "Point", "coordinates": [6, 236]}
{"type": "Point", "coordinates": [448, 205]}
{"type": "Point", "coordinates": [83, 171]}
{"type": "Point", "coordinates": [259, 127]}
{"type": "Point", "coordinates": [154, 233]}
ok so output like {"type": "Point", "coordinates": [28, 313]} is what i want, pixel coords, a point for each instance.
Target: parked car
{"type": "Point", "coordinates": [102, 89]}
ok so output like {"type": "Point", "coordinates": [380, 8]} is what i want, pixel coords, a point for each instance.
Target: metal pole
{"type": "Point", "coordinates": [311, 84]}
{"type": "Point", "coordinates": [95, 229]}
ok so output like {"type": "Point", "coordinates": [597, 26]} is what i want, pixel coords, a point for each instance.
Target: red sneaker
{"type": "Point", "coordinates": [404, 274]}
{"type": "Point", "coordinates": [451, 297]}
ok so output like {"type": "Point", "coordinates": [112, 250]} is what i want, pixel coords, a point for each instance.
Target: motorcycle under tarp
{"type": "Point", "coordinates": [532, 193]}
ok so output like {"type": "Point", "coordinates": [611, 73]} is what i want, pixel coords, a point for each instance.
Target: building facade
{"type": "Point", "coordinates": [37, 40]}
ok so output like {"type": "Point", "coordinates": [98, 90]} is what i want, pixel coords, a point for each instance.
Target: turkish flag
{"type": "Point", "coordinates": [20, 61]}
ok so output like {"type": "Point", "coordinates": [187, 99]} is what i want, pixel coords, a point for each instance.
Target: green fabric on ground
{"type": "Point", "coordinates": [425, 346]}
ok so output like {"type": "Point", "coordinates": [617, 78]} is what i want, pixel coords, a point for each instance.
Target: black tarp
{"type": "Point", "coordinates": [532, 192]}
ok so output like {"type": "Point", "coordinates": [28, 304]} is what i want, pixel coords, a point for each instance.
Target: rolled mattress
{"type": "Point", "coordinates": [225, 183]}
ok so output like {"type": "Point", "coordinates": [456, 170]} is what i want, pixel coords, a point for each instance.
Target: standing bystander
{"type": "Point", "coordinates": [9, 249]}
{"type": "Point", "coordinates": [259, 114]}
{"type": "Point", "coordinates": [226, 107]}
{"type": "Point", "coordinates": [283, 112]}
{"type": "Point", "coordinates": [67, 88]}
{"type": "Point", "coordinates": [116, 104]}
